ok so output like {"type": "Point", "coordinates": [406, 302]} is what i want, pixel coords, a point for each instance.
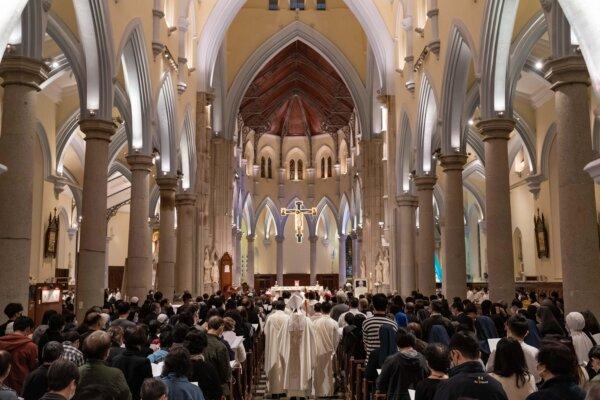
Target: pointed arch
{"type": "Point", "coordinates": [95, 32]}
{"type": "Point", "coordinates": [344, 216]}
{"type": "Point", "coordinates": [545, 155]}
{"type": "Point", "coordinates": [404, 156]}
{"type": "Point", "coordinates": [187, 147]}
{"type": "Point", "coordinates": [267, 202]}
{"type": "Point", "coordinates": [45, 146]}
{"type": "Point", "coordinates": [498, 24]}
{"type": "Point", "coordinates": [427, 125]}
{"type": "Point", "coordinates": [132, 53]}
{"type": "Point", "coordinates": [454, 90]}
{"type": "Point", "coordinates": [165, 108]}
{"type": "Point", "coordinates": [311, 37]}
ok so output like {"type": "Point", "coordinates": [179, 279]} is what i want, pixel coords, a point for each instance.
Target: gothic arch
{"type": "Point", "coordinates": [292, 32]}
{"type": "Point", "coordinates": [267, 202]}
{"type": "Point", "coordinates": [345, 216]}
{"type": "Point", "coordinates": [427, 126]}
{"type": "Point", "coordinates": [187, 148]}
{"type": "Point", "coordinates": [45, 146]}
{"type": "Point", "coordinates": [165, 108]}
{"type": "Point", "coordinates": [404, 155]}
{"type": "Point", "coordinates": [545, 155]}
{"type": "Point", "coordinates": [132, 53]}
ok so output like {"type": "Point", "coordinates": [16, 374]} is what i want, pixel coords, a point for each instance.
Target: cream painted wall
{"type": "Point", "coordinates": [118, 231]}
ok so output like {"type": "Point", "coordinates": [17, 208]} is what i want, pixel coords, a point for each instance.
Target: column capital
{"type": "Point", "coordinates": [97, 128]}
{"type": "Point", "coordinates": [25, 71]}
{"type": "Point", "coordinates": [185, 199]}
{"type": "Point", "coordinates": [279, 238]}
{"type": "Point", "coordinates": [425, 182]}
{"type": "Point", "coordinates": [566, 70]}
{"type": "Point", "coordinates": [250, 238]}
{"type": "Point", "coordinates": [496, 128]}
{"type": "Point", "coordinates": [313, 238]}
{"type": "Point", "coordinates": [167, 182]}
{"type": "Point", "coordinates": [453, 162]}
{"type": "Point", "coordinates": [139, 162]}
{"type": "Point", "coordinates": [534, 182]}
{"type": "Point", "coordinates": [407, 200]}
{"type": "Point", "coordinates": [342, 236]}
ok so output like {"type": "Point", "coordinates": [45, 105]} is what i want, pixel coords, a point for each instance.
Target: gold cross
{"type": "Point", "coordinates": [298, 213]}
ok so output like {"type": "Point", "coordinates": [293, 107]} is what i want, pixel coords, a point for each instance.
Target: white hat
{"type": "Point", "coordinates": [134, 299]}
{"type": "Point", "coordinates": [162, 318]}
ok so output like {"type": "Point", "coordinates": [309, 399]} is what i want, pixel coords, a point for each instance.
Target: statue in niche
{"type": "Point", "coordinates": [385, 266]}
{"type": "Point", "coordinates": [214, 272]}
{"type": "Point", "coordinates": [363, 268]}
{"type": "Point", "coordinates": [207, 266]}
{"type": "Point", "coordinates": [379, 268]}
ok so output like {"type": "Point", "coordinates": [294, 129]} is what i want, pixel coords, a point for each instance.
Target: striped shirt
{"type": "Point", "coordinates": [370, 330]}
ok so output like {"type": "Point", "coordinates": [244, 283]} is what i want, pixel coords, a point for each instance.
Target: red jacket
{"type": "Point", "coordinates": [24, 358]}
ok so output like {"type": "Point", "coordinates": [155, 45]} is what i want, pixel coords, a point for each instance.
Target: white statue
{"type": "Point", "coordinates": [378, 269]}
{"type": "Point", "coordinates": [385, 265]}
{"type": "Point", "coordinates": [214, 273]}
{"type": "Point", "coordinates": [363, 268]}
{"type": "Point", "coordinates": [207, 266]}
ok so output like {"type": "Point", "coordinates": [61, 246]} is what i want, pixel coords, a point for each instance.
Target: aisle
{"type": "Point", "coordinates": [260, 390]}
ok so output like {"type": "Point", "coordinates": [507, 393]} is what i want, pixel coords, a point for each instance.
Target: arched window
{"type": "Point", "coordinates": [262, 167]}
{"type": "Point", "coordinates": [329, 174]}
{"type": "Point", "coordinates": [322, 167]}
{"type": "Point", "coordinates": [296, 4]}
{"type": "Point", "coordinates": [321, 5]}
{"type": "Point", "coordinates": [292, 170]}
{"type": "Point", "coordinates": [300, 173]}
{"type": "Point", "coordinates": [269, 169]}
{"type": "Point", "coordinates": [273, 5]}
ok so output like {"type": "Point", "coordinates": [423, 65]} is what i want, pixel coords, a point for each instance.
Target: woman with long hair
{"type": "Point", "coordinates": [548, 325]}
{"type": "Point", "coordinates": [510, 369]}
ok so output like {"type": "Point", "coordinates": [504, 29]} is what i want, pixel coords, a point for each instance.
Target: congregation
{"type": "Point", "coordinates": [316, 345]}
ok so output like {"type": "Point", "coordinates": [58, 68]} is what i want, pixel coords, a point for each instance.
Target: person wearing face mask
{"type": "Point", "coordinates": [468, 379]}
{"type": "Point", "coordinates": [557, 366]}
{"type": "Point", "coordinates": [594, 363]}
{"type": "Point", "coordinates": [63, 377]}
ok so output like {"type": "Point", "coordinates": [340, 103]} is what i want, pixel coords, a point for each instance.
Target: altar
{"type": "Point", "coordinates": [277, 290]}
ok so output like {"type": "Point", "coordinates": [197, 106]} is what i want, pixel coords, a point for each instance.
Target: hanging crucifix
{"type": "Point", "coordinates": [298, 213]}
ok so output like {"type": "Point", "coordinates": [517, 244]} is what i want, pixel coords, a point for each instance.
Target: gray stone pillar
{"type": "Point", "coordinates": [279, 239]}
{"type": "Point", "coordinates": [167, 241]}
{"type": "Point", "coordinates": [237, 243]}
{"type": "Point", "coordinates": [138, 266]}
{"type": "Point", "coordinates": [21, 79]}
{"type": "Point", "coordinates": [342, 260]}
{"type": "Point", "coordinates": [313, 259]}
{"type": "Point", "coordinates": [455, 262]}
{"type": "Point", "coordinates": [250, 260]}
{"type": "Point", "coordinates": [577, 208]}
{"type": "Point", "coordinates": [93, 215]}
{"type": "Point", "coordinates": [426, 239]}
{"type": "Point", "coordinates": [406, 246]}
{"type": "Point", "coordinates": [356, 259]}
{"type": "Point", "coordinates": [185, 203]}
{"type": "Point", "coordinates": [500, 261]}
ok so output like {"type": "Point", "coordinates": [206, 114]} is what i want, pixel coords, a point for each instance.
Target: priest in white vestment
{"type": "Point", "coordinates": [327, 338]}
{"type": "Point", "coordinates": [275, 363]}
{"type": "Point", "coordinates": [298, 349]}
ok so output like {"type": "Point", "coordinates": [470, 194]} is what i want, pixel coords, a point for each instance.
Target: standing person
{"type": "Point", "coordinates": [438, 361]}
{"type": "Point", "coordinates": [63, 377]}
{"type": "Point", "coordinates": [403, 370]}
{"type": "Point", "coordinates": [123, 309]}
{"type": "Point", "coordinates": [56, 324]}
{"type": "Point", "coordinates": [340, 307]}
{"type": "Point", "coordinates": [353, 310]}
{"type": "Point", "coordinates": [275, 364]}
{"type": "Point", "coordinates": [372, 324]}
{"type": "Point", "coordinates": [95, 372]}
{"type": "Point", "coordinates": [71, 350]}
{"type": "Point", "coordinates": [548, 325]}
{"type": "Point", "coordinates": [436, 318]}
{"type": "Point", "coordinates": [23, 351]}
{"type": "Point", "coordinates": [6, 393]}
{"type": "Point", "coordinates": [468, 378]}
{"type": "Point", "coordinates": [327, 338]}
{"type": "Point", "coordinates": [202, 372]}
{"type": "Point", "coordinates": [517, 328]}
{"type": "Point", "coordinates": [298, 348]}
{"type": "Point", "coordinates": [216, 352]}
{"type": "Point", "coordinates": [175, 376]}
{"type": "Point", "coordinates": [36, 383]}
{"type": "Point", "coordinates": [154, 389]}
{"type": "Point", "coordinates": [387, 347]}
{"type": "Point", "coordinates": [510, 369]}
{"type": "Point", "coordinates": [133, 362]}
{"type": "Point", "coordinates": [12, 312]}
{"type": "Point", "coordinates": [558, 368]}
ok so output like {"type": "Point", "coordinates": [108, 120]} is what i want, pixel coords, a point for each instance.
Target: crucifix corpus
{"type": "Point", "coordinates": [298, 213]}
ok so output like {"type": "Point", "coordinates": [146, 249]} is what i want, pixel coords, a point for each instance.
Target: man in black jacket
{"type": "Point", "coordinates": [133, 361]}
{"type": "Point", "coordinates": [436, 318]}
{"type": "Point", "coordinates": [36, 382]}
{"type": "Point", "coordinates": [468, 379]}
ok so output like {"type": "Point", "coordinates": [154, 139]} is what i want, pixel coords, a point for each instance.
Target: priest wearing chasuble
{"type": "Point", "coordinates": [327, 338]}
{"type": "Point", "coordinates": [275, 363]}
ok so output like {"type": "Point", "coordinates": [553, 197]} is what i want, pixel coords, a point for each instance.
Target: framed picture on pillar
{"type": "Point", "coordinates": [51, 236]}
{"type": "Point", "coordinates": [541, 235]}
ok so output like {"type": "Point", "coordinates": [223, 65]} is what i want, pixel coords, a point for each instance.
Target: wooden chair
{"type": "Point", "coordinates": [367, 388]}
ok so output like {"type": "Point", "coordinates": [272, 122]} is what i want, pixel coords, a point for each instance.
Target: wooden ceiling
{"type": "Point", "coordinates": [297, 93]}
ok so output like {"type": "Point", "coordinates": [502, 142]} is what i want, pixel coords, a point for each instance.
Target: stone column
{"type": "Point", "coordinates": [185, 203]}
{"type": "Point", "coordinates": [426, 240]}
{"type": "Point", "coordinates": [406, 249]}
{"type": "Point", "coordinates": [138, 266]}
{"type": "Point", "coordinates": [237, 242]}
{"type": "Point", "coordinates": [93, 214]}
{"type": "Point", "coordinates": [167, 241]}
{"type": "Point", "coordinates": [577, 208]}
{"type": "Point", "coordinates": [500, 261]}
{"type": "Point", "coordinates": [356, 259]}
{"type": "Point", "coordinates": [455, 267]}
{"type": "Point", "coordinates": [313, 259]}
{"type": "Point", "coordinates": [21, 79]}
{"type": "Point", "coordinates": [279, 239]}
{"type": "Point", "coordinates": [342, 260]}
{"type": "Point", "coordinates": [250, 260]}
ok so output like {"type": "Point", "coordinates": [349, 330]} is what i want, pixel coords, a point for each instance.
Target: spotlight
{"type": "Point", "coordinates": [539, 65]}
